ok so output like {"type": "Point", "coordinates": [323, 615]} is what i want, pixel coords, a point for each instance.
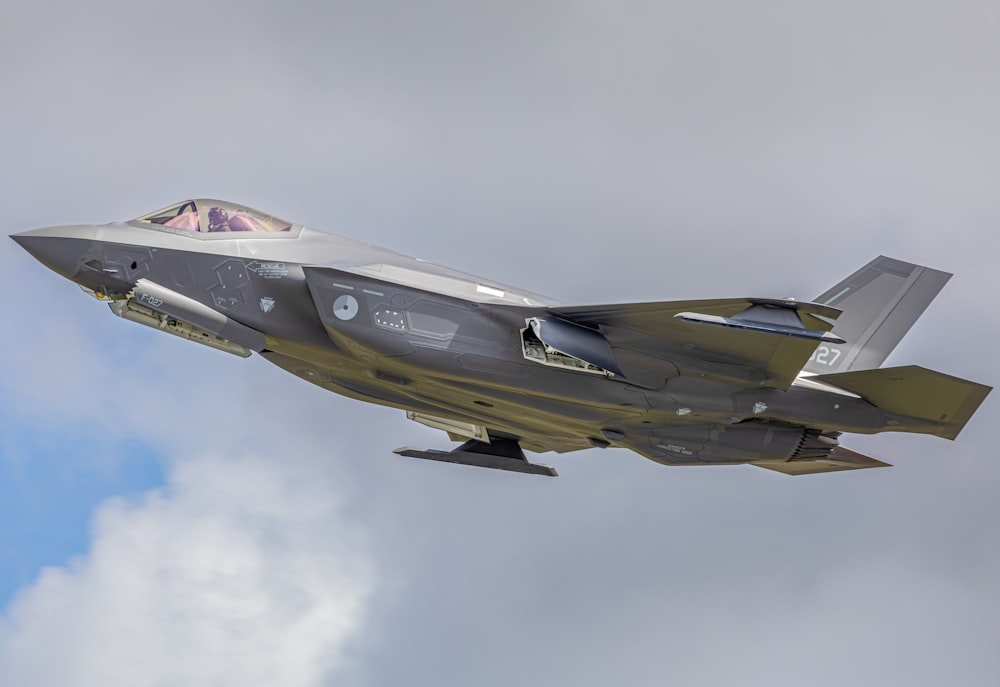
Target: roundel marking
{"type": "Point", "coordinates": [345, 307]}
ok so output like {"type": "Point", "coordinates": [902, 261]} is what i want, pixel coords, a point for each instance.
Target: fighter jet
{"type": "Point", "coordinates": [771, 382]}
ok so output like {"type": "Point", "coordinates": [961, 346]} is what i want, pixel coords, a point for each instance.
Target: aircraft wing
{"type": "Point", "coordinates": [755, 342]}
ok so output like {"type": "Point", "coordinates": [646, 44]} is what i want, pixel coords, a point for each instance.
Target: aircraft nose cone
{"type": "Point", "coordinates": [60, 254]}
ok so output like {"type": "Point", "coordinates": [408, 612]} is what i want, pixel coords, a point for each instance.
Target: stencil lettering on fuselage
{"type": "Point", "coordinates": [232, 290]}
{"type": "Point", "coordinates": [268, 270]}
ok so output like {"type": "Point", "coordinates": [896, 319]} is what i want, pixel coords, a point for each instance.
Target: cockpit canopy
{"type": "Point", "coordinates": [206, 216]}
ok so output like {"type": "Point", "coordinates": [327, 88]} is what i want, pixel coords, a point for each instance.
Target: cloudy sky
{"type": "Point", "coordinates": [175, 516]}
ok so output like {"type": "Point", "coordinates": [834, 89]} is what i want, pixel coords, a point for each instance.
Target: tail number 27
{"type": "Point", "coordinates": [824, 355]}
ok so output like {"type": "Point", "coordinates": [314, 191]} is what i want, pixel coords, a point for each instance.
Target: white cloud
{"type": "Point", "coordinates": [240, 572]}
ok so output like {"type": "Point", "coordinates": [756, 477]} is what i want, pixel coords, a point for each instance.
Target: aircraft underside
{"type": "Point", "coordinates": [722, 426]}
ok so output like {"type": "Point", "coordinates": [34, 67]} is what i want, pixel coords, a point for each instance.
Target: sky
{"type": "Point", "coordinates": [171, 515]}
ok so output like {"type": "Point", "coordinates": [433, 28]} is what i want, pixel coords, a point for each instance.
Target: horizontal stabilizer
{"type": "Point", "coordinates": [839, 459]}
{"type": "Point", "coordinates": [940, 404]}
{"type": "Point", "coordinates": [500, 454]}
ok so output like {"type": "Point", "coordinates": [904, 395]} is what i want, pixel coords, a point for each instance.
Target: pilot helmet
{"type": "Point", "coordinates": [217, 219]}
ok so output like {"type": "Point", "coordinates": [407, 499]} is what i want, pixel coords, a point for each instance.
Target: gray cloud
{"type": "Point", "coordinates": [594, 151]}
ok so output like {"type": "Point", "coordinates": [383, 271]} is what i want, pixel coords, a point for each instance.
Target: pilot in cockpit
{"type": "Point", "coordinates": [220, 220]}
{"type": "Point", "coordinates": [220, 217]}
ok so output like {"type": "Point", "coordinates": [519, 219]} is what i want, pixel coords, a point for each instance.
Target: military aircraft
{"type": "Point", "coordinates": [761, 381]}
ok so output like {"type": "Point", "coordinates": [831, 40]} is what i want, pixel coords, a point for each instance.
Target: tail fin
{"type": "Point", "coordinates": [881, 301]}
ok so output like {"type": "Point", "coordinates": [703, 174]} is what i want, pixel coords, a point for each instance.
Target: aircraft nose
{"type": "Point", "coordinates": [58, 248]}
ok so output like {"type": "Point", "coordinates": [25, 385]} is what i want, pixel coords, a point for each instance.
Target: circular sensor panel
{"type": "Point", "coordinates": [345, 307]}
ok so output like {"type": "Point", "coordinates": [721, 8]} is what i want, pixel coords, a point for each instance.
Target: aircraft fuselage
{"type": "Point", "coordinates": [458, 352]}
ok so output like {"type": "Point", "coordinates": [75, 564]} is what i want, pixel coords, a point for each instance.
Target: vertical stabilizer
{"type": "Point", "coordinates": [880, 302]}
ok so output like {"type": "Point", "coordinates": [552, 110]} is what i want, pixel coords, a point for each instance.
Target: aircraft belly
{"type": "Point", "coordinates": [523, 407]}
{"type": "Point", "coordinates": [536, 405]}
{"type": "Point", "coordinates": [566, 410]}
